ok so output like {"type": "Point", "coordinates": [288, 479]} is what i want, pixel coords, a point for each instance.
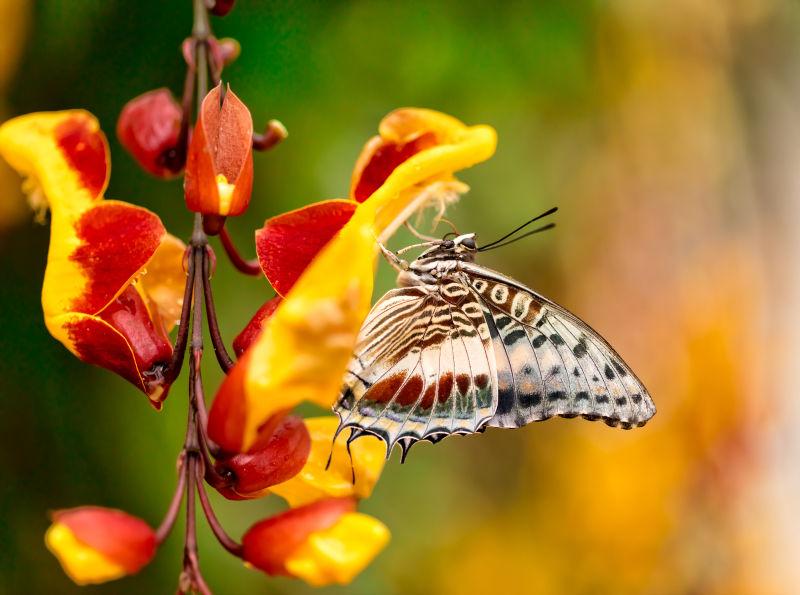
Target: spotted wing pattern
{"type": "Point", "coordinates": [550, 363]}
{"type": "Point", "coordinates": [423, 368]}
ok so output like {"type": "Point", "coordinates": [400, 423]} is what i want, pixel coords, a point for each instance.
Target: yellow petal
{"type": "Point", "coordinates": [84, 565]}
{"type": "Point", "coordinates": [303, 351]}
{"type": "Point", "coordinates": [338, 554]}
{"type": "Point", "coordinates": [64, 156]}
{"type": "Point", "coordinates": [164, 280]}
{"type": "Point", "coordinates": [315, 482]}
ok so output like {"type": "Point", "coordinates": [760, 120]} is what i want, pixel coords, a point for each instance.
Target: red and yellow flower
{"type": "Point", "coordinates": [113, 283]}
{"type": "Point", "coordinates": [96, 545]}
{"type": "Point", "coordinates": [321, 543]}
{"type": "Point", "coordinates": [302, 351]}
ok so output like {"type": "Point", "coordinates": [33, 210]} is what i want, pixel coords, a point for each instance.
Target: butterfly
{"type": "Point", "coordinates": [459, 347]}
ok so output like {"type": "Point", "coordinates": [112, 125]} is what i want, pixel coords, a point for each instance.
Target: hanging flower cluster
{"type": "Point", "coordinates": [116, 283]}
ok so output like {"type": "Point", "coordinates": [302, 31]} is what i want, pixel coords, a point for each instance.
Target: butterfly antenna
{"type": "Point", "coordinates": [524, 235]}
{"type": "Point", "coordinates": [523, 226]}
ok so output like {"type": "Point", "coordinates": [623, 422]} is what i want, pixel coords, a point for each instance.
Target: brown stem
{"type": "Point", "coordinates": [225, 361]}
{"type": "Point", "coordinates": [179, 349]}
{"type": "Point", "coordinates": [166, 525]}
{"type": "Point", "coordinates": [248, 267]}
{"type": "Point", "coordinates": [224, 539]}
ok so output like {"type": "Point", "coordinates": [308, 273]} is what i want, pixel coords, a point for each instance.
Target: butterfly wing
{"type": "Point", "coordinates": [551, 363]}
{"type": "Point", "coordinates": [422, 368]}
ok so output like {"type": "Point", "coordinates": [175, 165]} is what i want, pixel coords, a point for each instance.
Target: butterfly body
{"type": "Point", "coordinates": [458, 347]}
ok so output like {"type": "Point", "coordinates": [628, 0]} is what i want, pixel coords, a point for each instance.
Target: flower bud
{"type": "Point", "coordinates": [273, 460]}
{"type": "Point", "coordinates": [322, 543]}
{"type": "Point", "coordinates": [219, 165]}
{"type": "Point", "coordinates": [95, 545]}
{"type": "Point", "coordinates": [149, 128]}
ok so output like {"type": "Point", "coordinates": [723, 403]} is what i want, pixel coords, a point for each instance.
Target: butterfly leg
{"type": "Point", "coordinates": [397, 263]}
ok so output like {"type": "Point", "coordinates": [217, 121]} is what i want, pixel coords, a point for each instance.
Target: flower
{"type": "Point", "coordinates": [321, 543]}
{"type": "Point", "coordinates": [303, 349]}
{"type": "Point", "coordinates": [280, 455]}
{"type": "Point", "coordinates": [219, 166]}
{"type": "Point", "coordinates": [96, 297]}
{"type": "Point", "coordinates": [333, 470]}
{"type": "Point", "coordinates": [149, 128]}
{"type": "Point", "coordinates": [96, 545]}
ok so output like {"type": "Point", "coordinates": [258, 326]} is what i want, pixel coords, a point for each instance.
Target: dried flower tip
{"type": "Point", "coordinates": [274, 133]}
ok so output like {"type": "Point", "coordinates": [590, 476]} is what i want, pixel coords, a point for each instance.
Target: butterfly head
{"type": "Point", "coordinates": [461, 247]}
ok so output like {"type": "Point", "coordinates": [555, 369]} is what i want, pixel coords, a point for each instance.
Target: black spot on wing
{"type": "Point", "coordinates": [618, 367]}
{"type": "Point", "coordinates": [609, 372]}
{"type": "Point", "coordinates": [530, 400]}
{"type": "Point", "coordinates": [514, 336]}
{"type": "Point", "coordinates": [539, 341]}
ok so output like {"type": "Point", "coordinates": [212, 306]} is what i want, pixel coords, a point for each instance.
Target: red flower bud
{"type": "Point", "coordinates": [249, 334]}
{"type": "Point", "coordinates": [219, 166]}
{"type": "Point", "coordinates": [276, 459]}
{"type": "Point", "coordinates": [149, 127]}
{"type": "Point", "coordinates": [222, 7]}
{"type": "Point", "coordinates": [267, 545]}
{"type": "Point", "coordinates": [96, 544]}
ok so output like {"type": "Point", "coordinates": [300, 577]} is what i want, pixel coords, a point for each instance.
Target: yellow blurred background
{"type": "Point", "coordinates": [668, 133]}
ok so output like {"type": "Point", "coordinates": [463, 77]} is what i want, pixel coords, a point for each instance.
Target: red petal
{"type": "Point", "coordinates": [227, 416]}
{"type": "Point", "coordinates": [250, 333]}
{"type": "Point", "coordinates": [288, 243]}
{"type": "Point", "coordinates": [380, 158]}
{"type": "Point", "coordinates": [269, 543]}
{"type": "Point", "coordinates": [280, 458]}
{"type": "Point", "coordinates": [86, 151]}
{"type": "Point", "coordinates": [125, 539]}
{"type": "Point", "coordinates": [117, 240]}
{"type": "Point", "coordinates": [139, 351]}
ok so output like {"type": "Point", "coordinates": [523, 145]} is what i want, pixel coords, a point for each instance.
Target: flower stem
{"type": "Point", "coordinates": [175, 504]}
{"type": "Point", "coordinates": [222, 536]}
{"type": "Point", "coordinates": [248, 267]}
{"type": "Point", "coordinates": [179, 349]}
{"type": "Point", "coordinates": [225, 361]}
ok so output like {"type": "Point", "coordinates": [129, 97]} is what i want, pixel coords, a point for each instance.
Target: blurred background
{"type": "Point", "coordinates": [669, 135]}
